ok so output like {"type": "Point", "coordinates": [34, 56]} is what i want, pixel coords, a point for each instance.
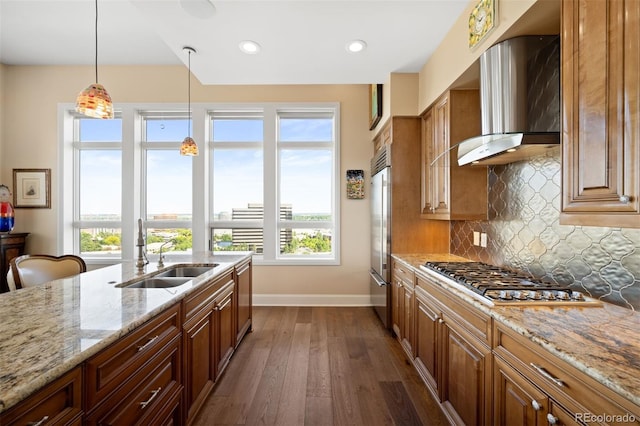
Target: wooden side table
{"type": "Point", "coordinates": [11, 245]}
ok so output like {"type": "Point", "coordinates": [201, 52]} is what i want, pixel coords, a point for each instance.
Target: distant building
{"type": "Point", "coordinates": [253, 238]}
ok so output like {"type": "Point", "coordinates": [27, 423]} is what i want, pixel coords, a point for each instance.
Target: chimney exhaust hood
{"type": "Point", "coordinates": [520, 102]}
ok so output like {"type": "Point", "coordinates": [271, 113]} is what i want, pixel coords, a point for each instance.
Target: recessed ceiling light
{"type": "Point", "coordinates": [249, 47]}
{"type": "Point", "coordinates": [356, 46]}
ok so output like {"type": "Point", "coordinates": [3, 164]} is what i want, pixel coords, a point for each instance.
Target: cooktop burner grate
{"type": "Point", "coordinates": [501, 285]}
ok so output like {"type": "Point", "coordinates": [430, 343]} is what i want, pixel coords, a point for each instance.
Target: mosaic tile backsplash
{"type": "Point", "coordinates": [524, 233]}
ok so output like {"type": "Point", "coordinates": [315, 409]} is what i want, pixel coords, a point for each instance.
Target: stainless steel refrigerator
{"type": "Point", "coordinates": [380, 275]}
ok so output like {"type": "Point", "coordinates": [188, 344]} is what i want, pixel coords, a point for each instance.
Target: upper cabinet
{"type": "Point", "coordinates": [451, 192]}
{"type": "Point", "coordinates": [601, 103]}
{"type": "Point", "coordinates": [401, 136]}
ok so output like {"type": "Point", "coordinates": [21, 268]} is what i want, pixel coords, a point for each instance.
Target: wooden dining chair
{"type": "Point", "coordinates": [34, 269]}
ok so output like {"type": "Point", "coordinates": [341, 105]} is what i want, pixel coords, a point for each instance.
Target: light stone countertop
{"type": "Point", "coordinates": [603, 342]}
{"type": "Point", "coordinates": [50, 329]}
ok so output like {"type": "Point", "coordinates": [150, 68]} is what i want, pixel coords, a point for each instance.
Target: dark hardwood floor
{"type": "Point", "coordinates": [319, 366]}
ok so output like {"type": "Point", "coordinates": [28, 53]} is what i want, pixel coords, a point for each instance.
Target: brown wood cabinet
{"type": "Point", "coordinates": [401, 136]}
{"type": "Point", "coordinates": [451, 192]}
{"type": "Point", "coordinates": [138, 379]}
{"type": "Point", "coordinates": [533, 386]}
{"type": "Point", "coordinates": [203, 336]}
{"type": "Point", "coordinates": [402, 309]}
{"type": "Point", "coordinates": [243, 299]}
{"type": "Point", "coordinates": [601, 113]}
{"type": "Point", "coordinates": [225, 336]}
{"type": "Point", "coordinates": [58, 403]}
{"type": "Point", "coordinates": [11, 245]}
{"type": "Point", "coordinates": [428, 320]}
{"type": "Point", "coordinates": [453, 354]}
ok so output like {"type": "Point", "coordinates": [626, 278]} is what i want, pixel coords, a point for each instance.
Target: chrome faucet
{"type": "Point", "coordinates": [161, 257]}
{"type": "Point", "coordinates": [142, 258]}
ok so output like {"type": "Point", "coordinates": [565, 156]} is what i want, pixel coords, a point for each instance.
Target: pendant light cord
{"type": "Point", "coordinates": [189, 95]}
{"type": "Point", "coordinates": [96, 33]}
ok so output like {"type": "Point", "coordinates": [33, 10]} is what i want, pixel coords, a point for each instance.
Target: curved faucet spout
{"type": "Point", "coordinates": [161, 257]}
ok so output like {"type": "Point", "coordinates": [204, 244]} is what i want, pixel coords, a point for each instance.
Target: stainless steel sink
{"type": "Point", "coordinates": [186, 271]}
{"type": "Point", "coordinates": [155, 282]}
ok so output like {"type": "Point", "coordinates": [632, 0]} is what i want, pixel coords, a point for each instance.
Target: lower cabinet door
{"type": "Point", "coordinates": [517, 402]}
{"type": "Point", "coordinates": [199, 361]}
{"type": "Point", "coordinates": [226, 334]}
{"type": "Point", "coordinates": [426, 360]}
{"type": "Point", "coordinates": [466, 385]}
{"type": "Point", "coordinates": [158, 390]}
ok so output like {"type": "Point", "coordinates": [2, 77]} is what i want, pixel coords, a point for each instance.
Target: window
{"type": "Point", "coordinates": [167, 204]}
{"type": "Point", "coordinates": [99, 197]}
{"type": "Point", "coordinates": [266, 180]}
{"type": "Point", "coordinates": [274, 183]}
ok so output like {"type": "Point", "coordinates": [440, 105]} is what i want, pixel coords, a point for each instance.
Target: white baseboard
{"type": "Point", "coordinates": [311, 300]}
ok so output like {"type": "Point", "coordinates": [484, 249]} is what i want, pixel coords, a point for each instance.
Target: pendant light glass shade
{"type": "Point", "coordinates": [94, 101]}
{"type": "Point", "coordinates": [189, 146]}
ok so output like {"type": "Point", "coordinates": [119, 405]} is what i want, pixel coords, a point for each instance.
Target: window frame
{"type": "Point", "coordinates": [202, 223]}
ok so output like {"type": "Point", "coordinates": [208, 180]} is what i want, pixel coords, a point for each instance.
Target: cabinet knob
{"type": "Point", "coordinates": [551, 419]}
{"type": "Point", "coordinates": [440, 321]}
{"type": "Point", "coordinates": [624, 199]}
{"type": "Point", "coordinates": [536, 405]}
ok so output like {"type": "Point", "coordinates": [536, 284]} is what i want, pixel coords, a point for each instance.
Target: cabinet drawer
{"type": "Point", "coordinates": [403, 272]}
{"type": "Point", "coordinates": [154, 387]}
{"type": "Point", "coordinates": [58, 403]}
{"type": "Point", "coordinates": [110, 368]}
{"type": "Point", "coordinates": [571, 388]}
{"type": "Point", "coordinates": [203, 298]}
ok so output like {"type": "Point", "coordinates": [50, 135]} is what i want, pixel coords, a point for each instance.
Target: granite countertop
{"type": "Point", "coordinates": [603, 342]}
{"type": "Point", "coordinates": [50, 329]}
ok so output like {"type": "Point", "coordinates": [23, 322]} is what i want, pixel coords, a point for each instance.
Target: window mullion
{"type": "Point", "coordinates": [271, 184]}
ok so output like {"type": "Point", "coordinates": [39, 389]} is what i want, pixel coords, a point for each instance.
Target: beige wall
{"type": "Point", "coordinates": [30, 140]}
{"type": "Point", "coordinates": [453, 58]}
{"type": "Point", "coordinates": [2, 155]}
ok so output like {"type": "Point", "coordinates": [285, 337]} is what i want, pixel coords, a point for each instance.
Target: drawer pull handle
{"type": "Point", "coordinates": [224, 305]}
{"type": "Point", "coordinates": [154, 393]}
{"type": "Point", "coordinates": [544, 373]}
{"type": "Point", "coordinates": [39, 422]}
{"type": "Point", "coordinates": [536, 405]}
{"type": "Point", "coordinates": [143, 347]}
{"type": "Point", "coordinates": [551, 419]}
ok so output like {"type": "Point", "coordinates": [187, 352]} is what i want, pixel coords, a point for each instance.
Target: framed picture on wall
{"type": "Point", "coordinates": [32, 188]}
{"type": "Point", "coordinates": [375, 105]}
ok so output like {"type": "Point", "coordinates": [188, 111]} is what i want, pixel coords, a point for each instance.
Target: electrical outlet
{"type": "Point", "coordinates": [476, 238]}
{"type": "Point", "coordinates": [483, 239]}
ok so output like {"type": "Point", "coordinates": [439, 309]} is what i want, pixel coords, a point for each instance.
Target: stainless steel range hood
{"type": "Point", "coordinates": [520, 101]}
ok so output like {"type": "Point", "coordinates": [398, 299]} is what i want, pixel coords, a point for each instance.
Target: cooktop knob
{"type": "Point", "coordinates": [576, 295]}
{"type": "Point", "coordinates": [548, 295]}
{"type": "Point", "coordinates": [505, 295]}
{"type": "Point", "coordinates": [535, 295]}
{"type": "Point", "coordinates": [520, 295]}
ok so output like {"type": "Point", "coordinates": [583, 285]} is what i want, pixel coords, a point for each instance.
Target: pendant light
{"type": "Point", "coordinates": [94, 101]}
{"type": "Point", "coordinates": [189, 146]}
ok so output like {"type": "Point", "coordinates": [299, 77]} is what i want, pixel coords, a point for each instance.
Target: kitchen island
{"type": "Point", "coordinates": [520, 351]}
{"type": "Point", "coordinates": [49, 330]}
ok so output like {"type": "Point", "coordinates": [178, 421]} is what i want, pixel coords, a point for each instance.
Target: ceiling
{"type": "Point", "coordinates": [302, 41]}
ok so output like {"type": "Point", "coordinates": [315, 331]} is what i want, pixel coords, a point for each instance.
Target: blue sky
{"type": "Point", "coordinates": [237, 173]}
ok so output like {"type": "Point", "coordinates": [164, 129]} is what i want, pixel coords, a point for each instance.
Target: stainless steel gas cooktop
{"type": "Point", "coordinates": [494, 285]}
